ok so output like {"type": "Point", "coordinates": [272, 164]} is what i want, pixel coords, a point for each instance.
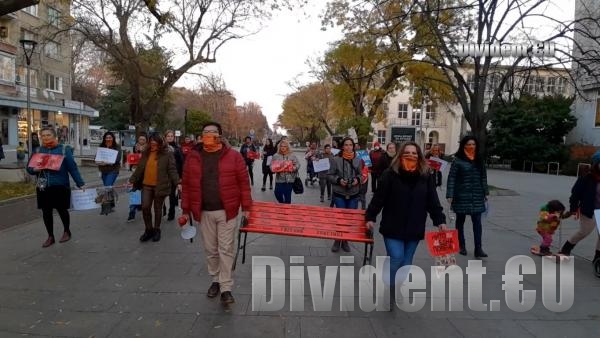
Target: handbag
{"type": "Point", "coordinates": [297, 186]}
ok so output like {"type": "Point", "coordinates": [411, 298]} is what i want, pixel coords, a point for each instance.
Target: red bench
{"type": "Point", "coordinates": [306, 221]}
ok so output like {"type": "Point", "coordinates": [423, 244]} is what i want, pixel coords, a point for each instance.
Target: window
{"type": "Point", "coordinates": [53, 16]}
{"type": "Point", "coordinates": [471, 81]}
{"type": "Point", "coordinates": [33, 10]}
{"type": "Point", "coordinates": [529, 85]}
{"type": "Point", "coordinates": [7, 68]}
{"type": "Point", "coordinates": [539, 84]}
{"type": "Point", "coordinates": [433, 137]}
{"type": "Point", "coordinates": [430, 112]}
{"type": "Point", "coordinates": [21, 77]}
{"type": "Point", "coordinates": [381, 136]}
{"type": "Point", "coordinates": [52, 49]}
{"type": "Point", "coordinates": [54, 83]}
{"type": "Point", "coordinates": [402, 110]}
{"type": "Point", "coordinates": [561, 85]}
{"type": "Point", "coordinates": [416, 117]}
{"type": "Point", "coordinates": [597, 122]}
{"type": "Point", "coordinates": [551, 85]}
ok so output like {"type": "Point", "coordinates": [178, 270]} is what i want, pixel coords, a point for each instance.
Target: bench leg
{"type": "Point", "coordinates": [239, 246]}
{"type": "Point", "coordinates": [365, 255]}
{"type": "Point", "coordinates": [244, 248]}
{"type": "Point", "coordinates": [371, 253]}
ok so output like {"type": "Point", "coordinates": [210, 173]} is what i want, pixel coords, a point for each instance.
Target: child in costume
{"type": "Point", "coordinates": [549, 220]}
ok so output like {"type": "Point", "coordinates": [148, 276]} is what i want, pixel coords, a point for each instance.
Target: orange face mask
{"type": "Point", "coordinates": [409, 162]}
{"type": "Point", "coordinates": [470, 151]}
{"type": "Point", "coordinates": [348, 156]}
{"type": "Point", "coordinates": [210, 143]}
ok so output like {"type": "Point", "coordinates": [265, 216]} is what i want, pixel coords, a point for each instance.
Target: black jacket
{"type": "Point", "coordinates": [583, 196]}
{"type": "Point", "coordinates": [405, 198]}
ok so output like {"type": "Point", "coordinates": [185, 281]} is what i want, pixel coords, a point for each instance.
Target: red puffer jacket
{"type": "Point", "coordinates": [234, 183]}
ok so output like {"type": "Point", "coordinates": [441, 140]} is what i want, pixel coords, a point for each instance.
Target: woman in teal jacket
{"type": "Point", "coordinates": [467, 191]}
{"type": "Point", "coordinates": [53, 187]}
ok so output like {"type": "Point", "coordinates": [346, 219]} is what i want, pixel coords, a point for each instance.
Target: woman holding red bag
{"type": "Point", "coordinates": [285, 165]}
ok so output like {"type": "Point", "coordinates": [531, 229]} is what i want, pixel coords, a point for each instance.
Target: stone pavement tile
{"type": "Point", "coordinates": [54, 323]}
{"type": "Point", "coordinates": [426, 327]}
{"type": "Point", "coordinates": [228, 325]}
{"type": "Point", "coordinates": [492, 328]}
{"type": "Point", "coordinates": [101, 282]}
{"type": "Point", "coordinates": [562, 328]}
{"type": "Point", "coordinates": [59, 301]}
{"type": "Point", "coordinates": [315, 327]}
{"type": "Point", "coordinates": [309, 310]}
{"type": "Point", "coordinates": [154, 325]}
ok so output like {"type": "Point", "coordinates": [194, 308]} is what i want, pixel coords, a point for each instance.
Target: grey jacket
{"type": "Point", "coordinates": [345, 169]}
{"type": "Point", "coordinates": [287, 177]}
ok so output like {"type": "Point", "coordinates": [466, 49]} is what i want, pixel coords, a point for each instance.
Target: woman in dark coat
{"type": "Point", "coordinates": [154, 175]}
{"type": "Point", "coordinates": [268, 151]}
{"type": "Point", "coordinates": [406, 193]}
{"type": "Point", "coordinates": [467, 191]}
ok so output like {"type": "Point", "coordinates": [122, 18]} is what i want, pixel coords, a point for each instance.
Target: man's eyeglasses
{"type": "Point", "coordinates": [210, 132]}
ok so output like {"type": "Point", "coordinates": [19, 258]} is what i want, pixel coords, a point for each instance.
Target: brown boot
{"type": "Point", "coordinates": [48, 242]}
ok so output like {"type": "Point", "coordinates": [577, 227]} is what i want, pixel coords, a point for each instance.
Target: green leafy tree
{"type": "Point", "coordinates": [532, 129]}
{"type": "Point", "coordinates": [114, 108]}
{"type": "Point", "coordinates": [195, 121]}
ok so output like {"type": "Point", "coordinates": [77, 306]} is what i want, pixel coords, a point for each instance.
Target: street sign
{"type": "Point", "coordinates": [177, 133]}
{"type": "Point", "coordinates": [131, 127]}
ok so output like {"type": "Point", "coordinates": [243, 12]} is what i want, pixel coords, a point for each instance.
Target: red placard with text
{"type": "Point", "coordinates": [253, 155]}
{"type": "Point", "coordinates": [442, 243]}
{"type": "Point", "coordinates": [134, 159]}
{"type": "Point", "coordinates": [278, 166]}
{"type": "Point", "coordinates": [42, 161]}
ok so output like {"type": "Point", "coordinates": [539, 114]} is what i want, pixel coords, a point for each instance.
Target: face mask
{"type": "Point", "coordinates": [470, 151]}
{"type": "Point", "coordinates": [210, 143]}
{"type": "Point", "coordinates": [153, 147]}
{"type": "Point", "coordinates": [409, 162]}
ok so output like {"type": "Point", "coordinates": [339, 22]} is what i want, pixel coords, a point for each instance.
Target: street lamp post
{"type": "Point", "coordinates": [28, 47]}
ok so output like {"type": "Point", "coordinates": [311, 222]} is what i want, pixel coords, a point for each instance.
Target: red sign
{"type": "Point", "coordinates": [434, 164]}
{"type": "Point", "coordinates": [441, 243]}
{"type": "Point", "coordinates": [278, 166]}
{"type": "Point", "coordinates": [253, 155]}
{"type": "Point", "coordinates": [41, 161]}
{"type": "Point", "coordinates": [134, 159]}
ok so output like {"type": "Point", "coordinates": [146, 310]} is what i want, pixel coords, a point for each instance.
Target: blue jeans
{"type": "Point", "coordinates": [343, 203]}
{"type": "Point", "coordinates": [109, 178]}
{"type": "Point", "coordinates": [477, 229]}
{"type": "Point", "coordinates": [283, 192]}
{"type": "Point", "coordinates": [401, 254]}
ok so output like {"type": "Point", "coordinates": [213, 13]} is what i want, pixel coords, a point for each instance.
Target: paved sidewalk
{"type": "Point", "coordinates": [105, 283]}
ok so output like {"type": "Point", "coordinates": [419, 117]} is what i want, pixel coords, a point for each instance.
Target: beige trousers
{"type": "Point", "coordinates": [218, 236]}
{"type": "Point", "coordinates": [586, 226]}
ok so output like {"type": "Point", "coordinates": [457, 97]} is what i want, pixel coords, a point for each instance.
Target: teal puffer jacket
{"type": "Point", "coordinates": [467, 186]}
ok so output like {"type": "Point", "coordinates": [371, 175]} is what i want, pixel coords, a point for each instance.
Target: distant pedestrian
{"type": "Point", "coordinates": [177, 154]}
{"type": "Point", "coordinates": [53, 188]}
{"type": "Point", "coordinates": [436, 153]}
{"type": "Point", "coordinates": [268, 151]}
{"type": "Point", "coordinates": [324, 183]}
{"type": "Point", "coordinates": [21, 151]}
{"type": "Point", "coordinates": [284, 178]}
{"type": "Point", "coordinates": [375, 156]}
{"type": "Point", "coordinates": [467, 191]}
{"type": "Point", "coordinates": [154, 175]}
{"type": "Point", "coordinates": [1, 151]}
{"type": "Point", "coordinates": [345, 176]}
{"type": "Point", "coordinates": [213, 188]}
{"type": "Point", "coordinates": [585, 198]}
{"type": "Point", "coordinates": [110, 171]}
{"type": "Point", "coordinates": [248, 150]}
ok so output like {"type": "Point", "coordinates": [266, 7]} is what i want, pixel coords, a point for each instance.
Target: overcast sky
{"type": "Point", "coordinates": [258, 68]}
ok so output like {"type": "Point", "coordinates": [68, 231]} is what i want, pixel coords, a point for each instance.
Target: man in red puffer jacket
{"type": "Point", "coordinates": [215, 183]}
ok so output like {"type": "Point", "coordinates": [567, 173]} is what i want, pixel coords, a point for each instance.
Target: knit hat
{"type": "Point", "coordinates": [376, 144]}
{"type": "Point", "coordinates": [596, 158]}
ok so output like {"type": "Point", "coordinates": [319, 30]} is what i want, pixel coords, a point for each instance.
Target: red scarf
{"type": "Point", "coordinates": [211, 144]}
{"type": "Point", "coordinates": [348, 156]}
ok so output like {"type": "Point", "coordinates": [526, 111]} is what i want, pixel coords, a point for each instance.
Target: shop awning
{"type": "Point", "coordinates": [18, 103]}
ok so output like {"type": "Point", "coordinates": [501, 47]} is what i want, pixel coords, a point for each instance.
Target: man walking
{"type": "Point", "coordinates": [214, 185]}
{"type": "Point", "coordinates": [248, 150]}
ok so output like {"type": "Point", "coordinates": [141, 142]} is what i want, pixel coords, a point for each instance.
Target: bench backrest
{"type": "Point", "coordinates": [308, 221]}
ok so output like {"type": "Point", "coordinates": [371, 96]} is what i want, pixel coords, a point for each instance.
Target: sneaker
{"type": "Point", "coordinates": [322, 200]}
{"type": "Point", "coordinates": [156, 236]}
{"type": "Point", "coordinates": [345, 246]}
{"type": "Point", "coordinates": [146, 236]}
{"type": "Point", "coordinates": [545, 251]}
{"type": "Point", "coordinates": [227, 298]}
{"type": "Point", "coordinates": [48, 242]}
{"type": "Point", "coordinates": [65, 237]}
{"type": "Point", "coordinates": [263, 188]}
{"type": "Point", "coordinates": [480, 253]}
{"type": "Point", "coordinates": [213, 290]}
{"type": "Point", "coordinates": [336, 246]}
{"type": "Point", "coordinates": [131, 218]}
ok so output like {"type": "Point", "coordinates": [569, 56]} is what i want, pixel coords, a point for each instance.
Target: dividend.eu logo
{"type": "Point", "coordinates": [412, 290]}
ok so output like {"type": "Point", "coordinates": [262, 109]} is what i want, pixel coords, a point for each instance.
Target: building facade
{"type": "Point", "coordinates": [50, 76]}
{"type": "Point", "coordinates": [443, 123]}
{"type": "Point", "coordinates": [587, 102]}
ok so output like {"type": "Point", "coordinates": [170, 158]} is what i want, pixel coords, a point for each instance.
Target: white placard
{"type": "Point", "coordinates": [321, 165]}
{"type": "Point", "coordinates": [106, 155]}
{"type": "Point", "coordinates": [334, 151]}
{"type": "Point", "coordinates": [84, 199]}
{"type": "Point", "coordinates": [269, 159]}
{"type": "Point", "coordinates": [597, 217]}
{"type": "Point", "coordinates": [443, 164]}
